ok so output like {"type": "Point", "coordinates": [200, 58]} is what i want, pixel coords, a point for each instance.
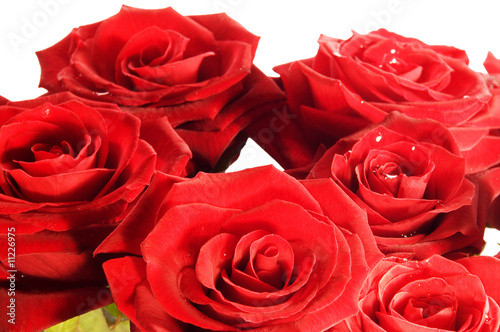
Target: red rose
{"type": "Point", "coordinates": [196, 70]}
{"type": "Point", "coordinates": [490, 179]}
{"type": "Point", "coordinates": [488, 183]}
{"type": "Point", "coordinates": [352, 83]}
{"type": "Point", "coordinates": [479, 136]}
{"type": "Point", "coordinates": [251, 249]}
{"type": "Point", "coordinates": [69, 173]}
{"type": "Point", "coordinates": [408, 176]}
{"type": "Point", "coordinates": [432, 295]}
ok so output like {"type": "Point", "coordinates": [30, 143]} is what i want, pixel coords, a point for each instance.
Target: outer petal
{"type": "Point", "coordinates": [50, 306]}
{"type": "Point", "coordinates": [140, 222]}
{"type": "Point", "coordinates": [172, 152]}
{"type": "Point", "coordinates": [354, 222]}
{"type": "Point", "coordinates": [487, 269]}
{"type": "Point", "coordinates": [225, 28]}
{"type": "Point", "coordinates": [124, 275]}
{"type": "Point", "coordinates": [54, 59]}
{"type": "Point", "coordinates": [58, 255]}
{"type": "Point", "coordinates": [271, 184]}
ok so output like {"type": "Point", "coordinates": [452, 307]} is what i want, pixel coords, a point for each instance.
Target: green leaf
{"type": "Point", "coordinates": [93, 321]}
{"type": "Point", "coordinates": [68, 326]}
{"type": "Point", "coordinates": [122, 327]}
{"type": "Point", "coordinates": [112, 309]}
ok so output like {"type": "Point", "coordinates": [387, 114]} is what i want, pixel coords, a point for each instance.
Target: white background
{"type": "Point", "coordinates": [288, 29]}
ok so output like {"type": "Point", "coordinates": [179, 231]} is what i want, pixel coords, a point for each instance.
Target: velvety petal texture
{"type": "Point", "coordinates": [58, 156]}
{"type": "Point", "coordinates": [224, 252]}
{"type": "Point", "coordinates": [351, 83]}
{"type": "Point", "coordinates": [195, 70]}
{"type": "Point", "coordinates": [38, 308]}
{"type": "Point", "coordinates": [488, 184]}
{"type": "Point", "coordinates": [70, 170]}
{"type": "Point", "coordinates": [436, 294]}
{"type": "Point", "coordinates": [410, 178]}
{"type": "Point", "coordinates": [486, 155]}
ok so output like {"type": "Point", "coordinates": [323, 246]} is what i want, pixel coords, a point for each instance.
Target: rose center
{"type": "Point", "coordinates": [149, 54]}
{"type": "Point", "coordinates": [428, 307]}
{"type": "Point", "coordinates": [389, 171]}
{"type": "Point", "coordinates": [43, 151]}
{"type": "Point", "coordinates": [431, 302]}
{"type": "Point", "coordinates": [396, 170]}
{"type": "Point", "coordinates": [268, 260]}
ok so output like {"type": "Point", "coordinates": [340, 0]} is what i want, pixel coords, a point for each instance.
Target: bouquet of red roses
{"type": "Point", "coordinates": [114, 189]}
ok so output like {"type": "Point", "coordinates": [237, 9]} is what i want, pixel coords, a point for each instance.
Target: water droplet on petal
{"type": "Point", "coordinates": [393, 51]}
{"type": "Point", "coordinates": [378, 138]}
{"type": "Point", "coordinates": [413, 148]}
{"type": "Point", "coordinates": [466, 96]}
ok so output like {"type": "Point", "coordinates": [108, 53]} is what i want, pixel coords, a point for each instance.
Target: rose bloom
{"type": "Point", "coordinates": [196, 70]}
{"type": "Point", "coordinates": [436, 294]}
{"type": "Point", "coordinates": [69, 173]}
{"type": "Point", "coordinates": [352, 83]}
{"type": "Point", "coordinates": [490, 179]}
{"type": "Point", "coordinates": [409, 177]}
{"type": "Point", "coordinates": [254, 249]}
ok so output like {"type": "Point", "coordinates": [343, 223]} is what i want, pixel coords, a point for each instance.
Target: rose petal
{"type": "Point", "coordinates": [107, 42]}
{"type": "Point", "coordinates": [128, 237]}
{"type": "Point", "coordinates": [157, 319]}
{"type": "Point", "coordinates": [272, 184]}
{"type": "Point", "coordinates": [139, 52]}
{"type": "Point", "coordinates": [172, 152]}
{"type": "Point", "coordinates": [124, 275]}
{"type": "Point", "coordinates": [214, 256]}
{"type": "Point", "coordinates": [51, 306]}
{"type": "Point", "coordinates": [69, 187]}
{"type": "Point", "coordinates": [486, 268]}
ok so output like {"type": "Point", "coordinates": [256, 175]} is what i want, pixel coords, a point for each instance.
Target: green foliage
{"type": "Point", "coordinates": [100, 320]}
